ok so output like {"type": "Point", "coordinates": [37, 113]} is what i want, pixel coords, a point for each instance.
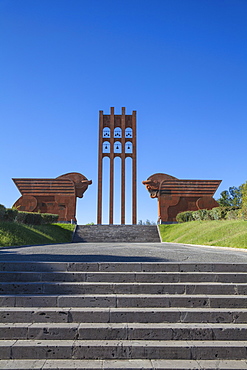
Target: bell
{"type": "Point", "coordinates": [117, 147]}
{"type": "Point", "coordinates": [106, 147]}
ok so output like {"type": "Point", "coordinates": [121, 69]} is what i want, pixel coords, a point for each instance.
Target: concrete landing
{"type": "Point", "coordinates": [124, 252]}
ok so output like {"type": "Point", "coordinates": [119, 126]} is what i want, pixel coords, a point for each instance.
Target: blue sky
{"type": "Point", "coordinates": [181, 64]}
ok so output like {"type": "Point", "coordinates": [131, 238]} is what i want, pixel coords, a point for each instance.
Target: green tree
{"type": "Point", "coordinates": [148, 222]}
{"type": "Point", "coordinates": [231, 197]}
{"type": "Point", "coordinates": [244, 201]}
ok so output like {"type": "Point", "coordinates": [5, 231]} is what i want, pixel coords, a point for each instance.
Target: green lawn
{"type": "Point", "coordinates": [14, 234]}
{"type": "Point", "coordinates": [229, 233]}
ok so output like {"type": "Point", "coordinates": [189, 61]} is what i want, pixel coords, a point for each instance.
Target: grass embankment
{"type": "Point", "coordinates": [229, 233]}
{"type": "Point", "coordinates": [14, 234]}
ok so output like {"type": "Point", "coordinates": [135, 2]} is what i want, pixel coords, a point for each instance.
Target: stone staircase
{"type": "Point", "coordinates": [116, 233]}
{"type": "Point", "coordinates": [75, 315]}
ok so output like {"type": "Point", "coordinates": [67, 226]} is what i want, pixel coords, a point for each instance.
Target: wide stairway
{"type": "Point", "coordinates": [116, 233]}
{"type": "Point", "coordinates": [61, 315]}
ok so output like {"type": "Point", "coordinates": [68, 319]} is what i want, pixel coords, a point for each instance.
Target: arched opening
{"type": "Point", "coordinates": [117, 147]}
{"type": "Point", "coordinates": [106, 147]}
{"type": "Point", "coordinates": [105, 189]}
{"type": "Point", "coordinates": [106, 132]}
{"type": "Point", "coordinates": [117, 191]}
{"type": "Point", "coordinates": [128, 133]}
{"type": "Point", "coordinates": [117, 132]}
{"type": "Point", "coordinates": [128, 147]}
{"type": "Point", "coordinates": [128, 190]}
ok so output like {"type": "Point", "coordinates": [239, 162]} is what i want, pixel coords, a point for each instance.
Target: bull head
{"type": "Point", "coordinates": [152, 187]}
{"type": "Point", "coordinates": [81, 187]}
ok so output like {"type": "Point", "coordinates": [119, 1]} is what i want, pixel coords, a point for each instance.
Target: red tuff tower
{"type": "Point", "coordinates": [117, 138]}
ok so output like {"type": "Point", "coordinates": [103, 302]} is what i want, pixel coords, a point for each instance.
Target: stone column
{"type": "Point", "coordinates": [123, 156]}
{"type": "Point", "coordinates": [134, 192]}
{"type": "Point", "coordinates": [111, 195]}
{"type": "Point", "coordinates": [100, 165]}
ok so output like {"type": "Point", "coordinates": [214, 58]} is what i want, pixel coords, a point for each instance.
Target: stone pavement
{"type": "Point", "coordinates": [124, 252]}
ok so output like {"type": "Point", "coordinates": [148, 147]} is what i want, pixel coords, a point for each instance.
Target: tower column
{"type": "Point", "coordinates": [111, 195]}
{"type": "Point", "coordinates": [123, 156]}
{"type": "Point", "coordinates": [134, 190]}
{"type": "Point", "coordinates": [100, 165]}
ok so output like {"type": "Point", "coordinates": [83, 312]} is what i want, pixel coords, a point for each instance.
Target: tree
{"type": "Point", "coordinates": [140, 222]}
{"type": "Point", "coordinates": [231, 197]}
{"type": "Point", "coordinates": [244, 201]}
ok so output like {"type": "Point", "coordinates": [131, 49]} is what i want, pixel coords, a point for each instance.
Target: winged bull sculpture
{"type": "Point", "coordinates": [175, 195]}
{"type": "Point", "coordinates": [57, 196]}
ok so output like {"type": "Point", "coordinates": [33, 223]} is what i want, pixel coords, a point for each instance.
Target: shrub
{"type": "Point", "coordinates": [200, 215]}
{"type": "Point", "coordinates": [242, 213]}
{"type": "Point", "coordinates": [35, 218]}
{"type": "Point", "coordinates": [223, 213]}
{"type": "Point", "coordinates": [10, 214]}
{"type": "Point", "coordinates": [234, 214]}
{"type": "Point", "coordinates": [184, 216]}
{"type": "Point", "coordinates": [218, 213]}
{"type": "Point", "coordinates": [2, 211]}
{"type": "Point", "coordinates": [29, 218]}
{"type": "Point", "coordinates": [48, 218]}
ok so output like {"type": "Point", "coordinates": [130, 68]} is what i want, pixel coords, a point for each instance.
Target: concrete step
{"type": "Point", "coordinates": [120, 277]}
{"type": "Point", "coordinates": [120, 267]}
{"type": "Point", "coordinates": [124, 300]}
{"type": "Point", "coordinates": [116, 233]}
{"type": "Point", "coordinates": [122, 315]}
{"type": "Point", "coordinates": [122, 349]}
{"type": "Point", "coordinates": [124, 331]}
{"type": "Point", "coordinates": [129, 364]}
{"type": "Point", "coordinates": [104, 315]}
{"type": "Point", "coordinates": [122, 288]}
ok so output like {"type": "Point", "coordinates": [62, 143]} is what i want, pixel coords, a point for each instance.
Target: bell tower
{"type": "Point", "coordinates": [117, 138]}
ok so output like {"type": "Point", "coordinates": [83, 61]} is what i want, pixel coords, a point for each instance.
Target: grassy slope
{"type": "Point", "coordinates": [13, 234]}
{"type": "Point", "coordinates": [230, 233]}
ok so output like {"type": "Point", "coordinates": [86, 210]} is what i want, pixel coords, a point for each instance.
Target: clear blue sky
{"type": "Point", "coordinates": [181, 64]}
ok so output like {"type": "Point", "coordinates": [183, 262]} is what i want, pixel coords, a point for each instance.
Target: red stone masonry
{"type": "Point", "coordinates": [175, 196]}
{"type": "Point", "coordinates": [57, 196]}
{"type": "Point", "coordinates": [117, 138]}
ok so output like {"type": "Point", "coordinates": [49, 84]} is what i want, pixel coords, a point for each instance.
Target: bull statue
{"type": "Point", "coordinates": [175, 196]}
{"type": "Point", "coordinates": [57, 196]}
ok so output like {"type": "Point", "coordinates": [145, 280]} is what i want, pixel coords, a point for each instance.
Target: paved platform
{"type": "Point", "coordinates": [124, 252]}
